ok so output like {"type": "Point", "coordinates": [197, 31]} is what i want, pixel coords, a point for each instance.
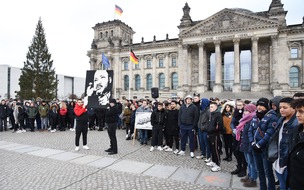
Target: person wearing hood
{"type": "Point", "coordinates": [203, 124]}
{"type": "Point", "coordinates": [187, 119]}
{"type": "Point", "coordinates": [275, 104]}
{"type": "Point", "coordinates": [260, 131]}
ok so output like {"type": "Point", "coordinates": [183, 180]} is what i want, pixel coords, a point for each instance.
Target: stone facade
{"type": "Point", "coordinates": [185, 65]}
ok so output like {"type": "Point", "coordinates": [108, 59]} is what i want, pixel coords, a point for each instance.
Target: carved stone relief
{"type": "Point", "coordinates": [264, 61]}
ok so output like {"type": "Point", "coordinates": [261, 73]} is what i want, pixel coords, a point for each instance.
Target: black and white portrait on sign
{"type": "Point", "coordinates": [98, 88]}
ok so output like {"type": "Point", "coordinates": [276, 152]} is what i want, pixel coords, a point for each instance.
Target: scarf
{"type": "Point", "coordinates": [242, 123]}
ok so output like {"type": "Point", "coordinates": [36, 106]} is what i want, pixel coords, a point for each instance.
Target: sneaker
{"type": "Point", "coordinates": [159, 148]}
{"type": "Point", "coordinates": [72, 129]}
{"type": "Point", "coordinates": [215, 168]}
{"type": "Point", "coordinates": [192, 154]}
{"type": "Point", "coordinates": [175, 151]}
{"type": "Point", "coordinates": [19, 131]}
{"type": "Point", "coordinates": [207, 160]}
{"type": "Point", "coordinates": [245, 179]}
{"type": "Point", "coordinates": [181, 153]}
{"type": "Point", "coordinates": [152, 148]}
{"type": "Point", "coordinates": [77, 148]}
{"type": "Point", "coordinates": [23, 131]}
{"type": "Point", "coordinates": [201, 157]}
{"type": "Point", "coordinates": [53, 131]}
{"type": "Point", "coordinates": [85, 147]}
{"type": "Point", "coordinates": [168, 149]}
{"type": "Point", "coordinates": [211, 164]}
{"type": "Point", "coordinates": [165, 147]}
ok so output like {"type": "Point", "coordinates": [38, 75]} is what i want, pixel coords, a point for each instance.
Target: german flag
{"type": "Point", "coordinates": [133, 57]}
{"type": "Point", "coordinates": [118, 10]}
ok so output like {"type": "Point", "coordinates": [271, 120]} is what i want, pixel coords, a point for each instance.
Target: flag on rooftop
{"type": "Point", "coordinates": [133, 57]}
{"type": "Point", "coordinates": [118, 10]}
{"type": "Point", "coordinates": [105, 61]}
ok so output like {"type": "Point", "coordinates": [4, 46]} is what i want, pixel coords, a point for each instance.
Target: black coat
{"type": "Point", "coordinates": [111, 115]}
{"type": "Point", "coordinates": [159, 118]}
{"type": "Point", "coordinates": [4, 111]}
{"type": "Point", "coordinates": [216, 123]}
{"type": "Point", "coordinates": [172, 122]}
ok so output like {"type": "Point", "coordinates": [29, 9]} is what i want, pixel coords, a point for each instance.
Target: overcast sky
{"type": "Point", "coordinates": [68, 24]}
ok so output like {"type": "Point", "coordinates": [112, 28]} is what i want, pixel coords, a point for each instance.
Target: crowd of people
{"type": "Point", "coordinates": [265, 137]}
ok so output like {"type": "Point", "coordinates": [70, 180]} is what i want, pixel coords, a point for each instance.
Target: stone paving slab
{"type": "Point", "coordinates": [185, 174]}
{"type": "Point", "coordinates": [29, 149]}
{"type": "Point", "coordinates": [4, 146]}
{"type": "Point", "coordinates": [17, 147]}
{"type": "Point", "coordinates": [214, 179]}
{"type": "Point", "coordinates": [103, 162]}
{"type": "Point", "coordinates": [3, 142]}
{"type": "Point", "coordinates": [45, 152]}
{"type": "Point", "coordinates": [66, 156]}
{"type": "Point", "coordinates": [85, 159]}
{"type": "Point", "coordinates": [130, 166]}
{"type": "Point", "coordinates": [160, 171]}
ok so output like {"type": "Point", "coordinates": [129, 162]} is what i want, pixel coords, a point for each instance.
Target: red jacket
{"type": "Point", "coordinates": [78, 110]}
{"type": "Point", "coordinates": [63, 111]}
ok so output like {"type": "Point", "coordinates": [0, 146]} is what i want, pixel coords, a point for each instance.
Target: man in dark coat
{"type": "Point", "coordinates": [111, 121]}
{"type": "Point", "coordinates": [4, 112]}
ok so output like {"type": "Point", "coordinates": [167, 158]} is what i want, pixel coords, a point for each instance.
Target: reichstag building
{"type": "Point", "coordinates": [234, 52]}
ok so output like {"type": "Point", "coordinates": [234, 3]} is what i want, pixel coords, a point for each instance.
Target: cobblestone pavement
{"type": "Point", "coordinates": [33, 170]}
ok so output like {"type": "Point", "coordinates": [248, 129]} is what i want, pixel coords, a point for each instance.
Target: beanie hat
{"type": "Point", "coordinates": [263, 102]}
{"type": "Point", "coordinates": [250, 107]}
{"type": "Point", "coordinates": [112, 101]}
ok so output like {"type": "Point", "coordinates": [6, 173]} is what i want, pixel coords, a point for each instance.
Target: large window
{"type": "Point", "coordinates": [161, 62]}
{"type": "Point", "coordinates": [174, 81]}
{"type": "Point", "coordinates": [245, 62]}
{"type": "Point", "coordinates": [137, 66]}
{"type": "Point", "coordinates": [126, 65]}
{"type": "Point", "coordinates": [126, 82]}
{"type": "Point", "coordinates": [294, 77]}
{"type": "Point", "coordinates": [137, 82]}
{"type": "Point", "coordinates": [294, 53]}
{"type": "Point", "coordinates": [149, 82]}
{"type": "Point", "coordinates": [173, 61]}
{"type": "Point", "coordinates": [149, 63]}
{"type": "Point", "coordinates": [161, 81]}
{"type": "Point", "coordinates": [228, 71]}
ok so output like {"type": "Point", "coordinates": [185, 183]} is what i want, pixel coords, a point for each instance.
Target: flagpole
{"type": "Point", "coordinates": [131, 71]}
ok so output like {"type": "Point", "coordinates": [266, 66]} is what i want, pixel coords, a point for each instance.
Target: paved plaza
{"type": "Point", "coordinates": [44, 160]}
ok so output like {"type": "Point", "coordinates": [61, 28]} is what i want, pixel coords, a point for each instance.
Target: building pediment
{"type": "Point", "coordinates": [229, 21]}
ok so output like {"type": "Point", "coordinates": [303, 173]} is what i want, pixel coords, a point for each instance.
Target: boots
{"type": "Point", "coordinates": [250, 183]}
{"type": "Point", "coordinates": [245, 179]}
{"type": "Point", "coordinates": [237, 171]}
{"type": "Point", "coordinates": [242, 173]}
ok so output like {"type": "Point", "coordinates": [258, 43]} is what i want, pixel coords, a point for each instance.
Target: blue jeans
{"type": "Point", "coordinates": [264, 169]}
{"type": "Point", "coordinates": [143, 136]}
{"type": "Point", "coordinates": [186, 131]}
{"type": "Point", "coordinates": [203, 142]}
{"type": "Point", "coordinates": [251, 166]}
{"type": "Point", "coordinates": [282, 179]}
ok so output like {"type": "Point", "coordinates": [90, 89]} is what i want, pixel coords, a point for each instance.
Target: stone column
{"type": "Point", "coordinates": [202, 68]}
{"type": "Point", "coordinates": [182, 70]}
{"type": "Point", "coordinates": [154, 73]}
{"type": "Point", "coordinates": [218, 87]}
{"type": "Point", "coordinates": [236, 84]}
{"type": "Point", "coordinates": [131, 80]}
{"type": "Point", "coordinates": [167, 70]}
{"type": "Point", "coordinates": [274, 63]}
{"type": "Point", "coordinates": [254, 66]}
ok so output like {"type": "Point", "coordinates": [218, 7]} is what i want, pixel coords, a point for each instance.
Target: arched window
{"type": "Point", "coordinates": [161, 81]}
{"type": "Point", "coordinates": [294, 77]}
{"type": "Point", "coordinates": [149, 82]}
{"type": "Point", "coordinates": [137, 82]}
{"type": "Point", "coordinates": [107, 34]}
{"type": "Point", "coordinates": [101, 35]}
{"type": "Point", "coordinates": [112, 33]}
{"type": "Point", "coordinates": [174, 81]}
{"type": "Point", "coordinates": [126, 82]}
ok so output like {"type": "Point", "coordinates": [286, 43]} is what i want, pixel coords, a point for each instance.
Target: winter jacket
{"type": "Point", "coordinates": [4, 111]}
{"type": "Point", "coordinates": [111, 115]}
{"type": "Point", "coordinates": [159, 118]}
{"type": "Point", "coordinates": [81, 116]}
{"type": "Point", "coordinates": [63, 111]}
{"type": "Point", "coordinates": [226, 123]}
{"type": "Point", "coordinates": [127, 115]}
{"type": "Point", "coordinates": [43, 110]}
{"type": "Point", "coordinates": [216, 123]}
{"type": "Point", "coordinates": [204, 119]}
{"type": "Point", "coordinates": [285, 143]}
{"type": "Point", "coordinates": [32, 112]}
{"type": "Point", "coordinates": [295, 164]}
{"type": "Point", "coordinates": [245, 145]}
{"type": "Point", "coordinates": [260, 132]}
{"type": "Point", "coordinates": [172, 122]}
{"type": "Point", "coordinates": [188, 115]}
